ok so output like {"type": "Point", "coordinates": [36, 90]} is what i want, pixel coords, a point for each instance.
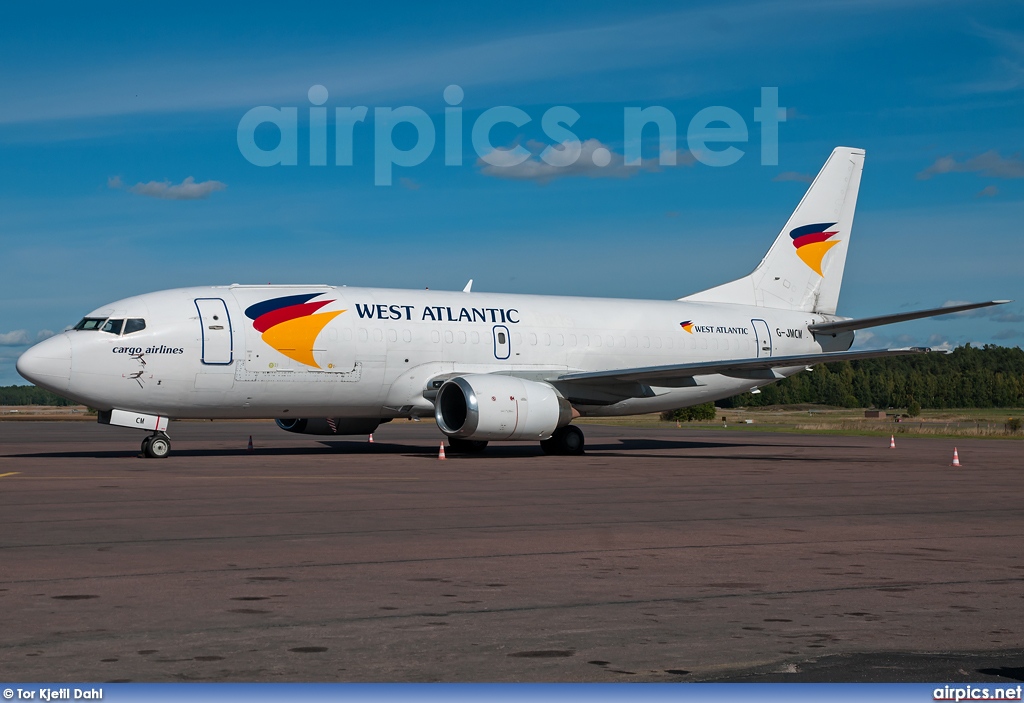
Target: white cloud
{"type": "Point", "coordinates": [409, 183]}
{"type": "Point", "coordinates": [44, 334]}
{"type": "Point", "coordinates": [188, 189]}
{"type": "Point", "coordinates": [989, 164]}
{"type": "Point", "coordinates": [163, 81]}
{"type": "Point", "coordinates": [17, 338]}
{"type": "Point", "coordinates": [1008, 317]}
{"type": "Point", "coordinates": [1007, 334]}
{"type": "Point", "coordinates": [1007, 70]}
{"type": "Point", "coordinates": [596, 160]}
{"type": "Point", "coordinates": [987, 192]}
{"type": "Point", "coordinates": [794, 176]}
{"type": "Point", "coordinates": [997, 313]}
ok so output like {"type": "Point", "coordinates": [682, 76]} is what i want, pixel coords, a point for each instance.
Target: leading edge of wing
{"type": "Point", "coordinates": [730, 367]}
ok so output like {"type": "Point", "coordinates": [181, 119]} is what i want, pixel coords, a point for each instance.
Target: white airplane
{"type": "Point", "coordinates": [327, 360]}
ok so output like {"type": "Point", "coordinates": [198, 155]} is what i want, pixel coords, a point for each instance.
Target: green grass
{"type": "Point", "coordinates": [988, 423]}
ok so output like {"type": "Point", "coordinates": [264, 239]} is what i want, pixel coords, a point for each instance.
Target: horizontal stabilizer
{"type": "Point", "coordinates": [674, 375]}
{"type": "Point", "coordinates": [865, 322]}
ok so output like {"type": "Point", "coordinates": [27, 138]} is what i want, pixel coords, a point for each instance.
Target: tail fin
{"type": "Point", "coordinates": [804, 268]}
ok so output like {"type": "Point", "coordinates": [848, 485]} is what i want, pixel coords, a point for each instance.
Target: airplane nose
{"type": "Point", "coordinates": [48, 364]}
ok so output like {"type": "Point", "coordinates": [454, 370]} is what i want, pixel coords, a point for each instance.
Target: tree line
{"type": "Point", "coordinates": [30, 395]}
{"type": "Point", "coordinates": [969, 377]}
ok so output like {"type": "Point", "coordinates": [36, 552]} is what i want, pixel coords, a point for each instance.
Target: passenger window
{"type": "Point", "coordinates": [501, 337]}
{"type": "Point", "coordinates": [533, 339]}
{"type": "Point", "coordinates": [462, 337]}
{"type": "Point", "coordinates": [435, 336]}
{"type": "Point", "coordinates": [406, 335]}
{"type": "Point", "coordinates": [547, 339]}
{"type": "Point", "coordinates": [134, 325]}
{"type": "Point", "coordinates": [392, 336]}
{"type": "Point", "coordinates": [448, 338]}
{"type": "Point", "coordinates": [474, 337]}
{"type": "Point", "coordinates": [113, 326]}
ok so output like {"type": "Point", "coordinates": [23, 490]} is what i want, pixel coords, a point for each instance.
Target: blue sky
{"type": "Point", "coordinates": [120, 171]}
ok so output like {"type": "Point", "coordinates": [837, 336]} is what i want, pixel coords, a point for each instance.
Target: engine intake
{"type": "Point", "coordinates": [322, 425]}
{"type": "Point", "coordinates": [486, 407]}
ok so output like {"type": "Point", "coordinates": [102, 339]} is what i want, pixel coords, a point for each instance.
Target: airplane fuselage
{"type": "Point", "coordinates": [201, 356]}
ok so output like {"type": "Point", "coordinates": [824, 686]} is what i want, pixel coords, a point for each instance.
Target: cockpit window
{"type": "Point", "coordinates": [90, 323]}
{"type": "Point", "coordinates": [134, 325]}
{"type": "Point", "coordinates": [113, 326]}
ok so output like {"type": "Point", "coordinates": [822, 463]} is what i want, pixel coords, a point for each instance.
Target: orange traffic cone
{"type": "Point", "coordinates": [892, 441]}
{"type": "Point", "coordinates": [956, 458]}
{"type": "Point", "coordinates": [250, 443]}
{"type": "Point", "coordinates": [371, 438]}
{"type": "Point", "coordinates": [440, 453]}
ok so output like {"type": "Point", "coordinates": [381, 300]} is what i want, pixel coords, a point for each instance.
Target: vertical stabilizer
{"type": "Point", "coordinates": [804, 268]}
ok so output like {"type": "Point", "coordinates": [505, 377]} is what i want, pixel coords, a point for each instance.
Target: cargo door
{"type": "Point", "coordinates": [217, 337]}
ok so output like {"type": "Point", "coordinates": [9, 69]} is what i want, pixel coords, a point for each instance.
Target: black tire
{"type": "Point", "coordinates": [159, 447]}
{"type": "Point", "coordinates": [566, 441]}
{"type": "Point", "coordinates": [466, 446]}
{"type": "Point", "coordinates": [145, 445]}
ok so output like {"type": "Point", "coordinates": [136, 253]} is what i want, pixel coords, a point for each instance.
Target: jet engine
{"type": "Point", "coordinates": [486, 407]}
{"type": "Point", "coordinates": [322, 425]}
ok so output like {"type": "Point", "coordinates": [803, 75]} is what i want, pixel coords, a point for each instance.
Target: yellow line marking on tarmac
{"type": "Point", "coordinates": [10, 473]}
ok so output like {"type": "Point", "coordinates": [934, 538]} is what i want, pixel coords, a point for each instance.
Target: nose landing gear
{"type": "Point", "coordinates": [156, 446]}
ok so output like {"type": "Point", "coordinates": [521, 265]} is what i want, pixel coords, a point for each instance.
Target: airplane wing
{"type": "Point", "coordinates": [865, 322]}
{"type": "Point", "coordinates": [635, 383]}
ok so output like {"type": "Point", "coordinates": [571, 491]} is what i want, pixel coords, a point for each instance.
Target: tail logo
{"type": "Point", "coordinates": [687, 326]}
{"type": "Point", "coordinates": [290, 326]}
{"type": "Point", "coordinates": [812, 242]}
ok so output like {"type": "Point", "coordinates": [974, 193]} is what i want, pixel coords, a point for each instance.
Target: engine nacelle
{"type": "Point", "coordinates": [321, 425]}
{"type": "Point", "coordinates": [485, 407]}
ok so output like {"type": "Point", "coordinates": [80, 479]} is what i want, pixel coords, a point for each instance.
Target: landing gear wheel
{"type": "Point", "coordinates": [566, 441]}
{"type": "Point", "coordinates": [466, 446]}
{"type": "Point", "coordinates": [145, 445]}
{"type": "Point", "coordinates": [157, 446]}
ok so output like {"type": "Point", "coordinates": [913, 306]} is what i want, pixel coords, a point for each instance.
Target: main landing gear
{"type": "Point", "coordinates": [566, 441]}
{"type": "Point", "coordinates": [156, 446]}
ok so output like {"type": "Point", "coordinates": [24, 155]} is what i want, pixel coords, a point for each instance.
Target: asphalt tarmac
{"type": "Point", "coordinates": [660, 555]}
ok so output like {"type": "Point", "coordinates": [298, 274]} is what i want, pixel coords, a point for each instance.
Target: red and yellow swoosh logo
{"type": "Point", "coordinates": [812, 242]}
{"type": "Point", "coordinates": [687, 326]}
{"type": "Point", "coordinates": [291, 324]}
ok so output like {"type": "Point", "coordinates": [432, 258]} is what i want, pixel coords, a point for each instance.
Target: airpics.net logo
{"type": "Point", "coordinates": [712, 136]}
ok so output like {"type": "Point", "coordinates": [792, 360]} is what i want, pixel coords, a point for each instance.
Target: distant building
{"type": "Point", "coordinates": [875, 414]}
